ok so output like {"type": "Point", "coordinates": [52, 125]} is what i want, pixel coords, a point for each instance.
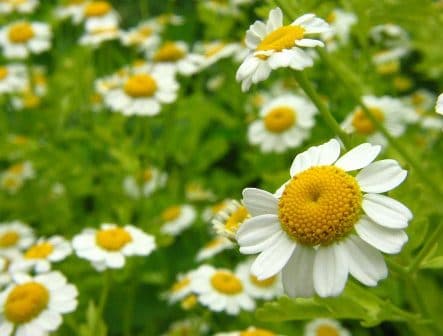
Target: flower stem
{"type": "Point", "coordinates": [105, 291]}
{"type": "Point", "coordinates": [429, 245]}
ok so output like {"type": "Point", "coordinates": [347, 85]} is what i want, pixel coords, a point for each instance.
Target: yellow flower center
{"type": "Point", "coordinates": [169, 52]}
{"type": "Point", "coordinates": [97, 8]}
{"type": "Point", "coordinates": [214, 49]}
{"type": "Point", "coordinates": [361, 122]}
{"type": "Point", "coordinates": [171, 213]}
{"type": "Point", "coordinates": [9, 238]}
{"type": "Point", "coordinates": [21, 32]}
{"type": "Point", "coordinates": [12, 182]}
{"type": "Point", "coordinates": [326, 330]}
{"type": "Point", "coordinates": [331, 17]}
{"type": "Point", "coordinates": [282, 38]}
{"type": "Point", "coordinates": [147, 175]}
{"type": "Point", "coordinates": [189, 302]}
{"type": "Point", "coordinates": [320, 205]}
{"type": "Point", "coordinates": [25, 302]}
{"type": "Point", "coordinates": [30, 100]}
{"type": "Point", "coordinates": [181, 284]}
{"type": "Point", "coordinates": [145, 31]}
{"type": "Point", "coordinates": [226, 282]}
{"type": "Point", "coordinates": [113, 239]}
{"type": "Point", "coordinates": [257, 332]}
{"type": "Point", "coordinates": [39, 251]}
{"type": "Point", "coordinates": [3, 72]}
{"type": "Point", "coordinates": [141, 85]}
{"type": "Point", "coordinates": [263, 283]}
{"type": "Point", "coordinates": [236, 219]}
{"type": "Point", "coordinates": [280, 119]}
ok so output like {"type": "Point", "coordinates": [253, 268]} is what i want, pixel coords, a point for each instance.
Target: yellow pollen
{"type": "Point", "coordinates": [189, 302]}
{"type": "Point", "coordinates": [320, 205]}
{"type": "Point", "coordinates": [9, 238]}
{"type": "Point", "coordinates": [214, 49]}
{"type": "Point", "coordinates": [25, 302]}
{"type": "Point", "coordinates": [3, 72]}
{"type": "Point", "coordinates": [141, 85]}
{"type": "Point", "coordinates": [21, 32]}
{"type": "Point", "coordinates": [236, 219]}
{"type": "Point", "coordinates": [181, 284]}
{"type": "Point", "coordinates": [280, 119]}
{"type": "Point", "coordinates": [226, 282]}
{"type": "Point", "coordinates": [282, 38]}
{"type": "Point", "coordinates": [361, 122]}
{"type": "Point", "coordinates": [97, 8]}
{"type": "Point", "coordinates": [263, 283]}
{"type": "Point", "coordinates": [169, 52]}
{"type": "Point", "coordinates": [326, 330]}
{"type": "Point", "coordinates": [257, 332]}
{"type": "Point", "coordinates": [113, 239]}
{"type": "Point", "coordinates": [39, 251]}
{"type": "Point", "coordinates": [171, 213]}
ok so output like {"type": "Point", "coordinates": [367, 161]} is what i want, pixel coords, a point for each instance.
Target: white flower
{"type": "Point", "coordinates": [97, 36]}
{"type": "Point", "coordinates": [13, 78]}
{"type": "Point", "coordinates": [211, 211]}
{"type": "Point", "coordinates": [213, 247]}
{"type": "Point", "coordinates": [34, 305]}
{"type": "Point", "coordinates": [229, 218]}
{"type": "Point", "coordinates": [341, 23]}
{"type": "Point", "coordinates": [20, 6]}
{"type": "Point", "coordinates": [221, 290]}
{"type": "Point", "coordinates": [21, 38]}
{"type": "Point", "coordinates": [182, 288]}
{"type": "Point", "coordinates": [195, 191]}
{"type": "Point", "coordinates": [73, 10]}
{"type": "Point", "coordinates": [148, 181]}
{"type": "Point", "coordinates": [110, 245]}
{"type": "Point", "coordinates": [422, 100]}
{"type": "Point", "coordinates": [143, 91]}
{"type": "Point", "coordinates": [15, 176]}
{"type": "Point", "coordinates": [177, 218]}
{"type": "Point", "coordinates": [266, 289]}
{"type": "Point", "coordinates": [144, 35]}
{"type": "Point", "coordinates": [251, 331]}
{"type": "Point", "coordinates": [439, 105]}
{"type": "Point", "coordinates": [323, 326]}
{"type": "Point", "coordinates": [284, 123]}
{"type": "Point", "coordinates": [98, 15]}
{"type": "Point", "coordinates": [325, 223]}
{"type": "Point", "coordinates": [15, 236]}
{"type": "Point", "coordinates": [42, 254]}
{"type": "Point", "coordinates": [214, 51]}
{"type": "Point", "coordinates": [274, 45]}
{"type": "Point", "coordinates": [392, 113]}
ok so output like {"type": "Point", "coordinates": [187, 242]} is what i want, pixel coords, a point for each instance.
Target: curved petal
{"type": "Point", "coordinates": [386, 211]}
{"type": "Point", "coordinates": [381, 176]}
{"type": "Point", "coordinates": [275, 19]}
{"type": "Point", "coordinates": [297, 275]}
{"type": "Point", "coordinates": [358, 157]}
{"type": "Point", "coordinates": [260, 202]}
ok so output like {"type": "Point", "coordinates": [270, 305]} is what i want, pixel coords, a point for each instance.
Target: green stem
{"type": "Point", "coordinates": [429, 245]}
{"type": "Point", "coordinates": [105, 291]}
{"type": "Point", "coordinates": [324, 111]}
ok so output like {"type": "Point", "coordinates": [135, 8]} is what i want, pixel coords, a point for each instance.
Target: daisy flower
{"type": "Point", "coordinates": [73, 9]}
{"type": "Point", "coordinates": [422, 100]}
{"type": "Point", "coordinates": [221, 290]}
{"type": "Point", "coordinates": [274, 45]}
{"type": "Point", "coordinates": [147, 181]}
{"type": "Point", "coordinates": [194, 326]}
{"type": "Point", "coordinates": [14, 177]}
{"type": "Point", "coordinates": [182, 288]}
{"type": "Point", "coordinates": [390, 112]}
{"type": "Point", "coordinates": [27, 99]}
{"type": "Point", "coordinates": [340, 22]}
{"type": "Point", "coordinates": [143, 91]}
{"type": "Point", "coordinates": [177, 218]}
{"type": "Point", "coordinates": [266, 289]}
{"type": "Point", "coordinates": [22, 38]}
{"type": "Point", "coordinates": [196, 192]}
{"type": "Point", "coordinates": [110, 245]}
{"type": "Point", "coordinates": [325, 223]}
{"type": "Point", "coordinates": [95, 37]}
{"type": "Point", "coordinates": [19, 6]}
{"type": "Point", "coordinates": [213, 247]}
{"type": "Point", "coordinates": [144, 36]}
{"type": "Point", "coordinates": [439, 105]}
{"type": "Point", "coordinates": [34, 305]}
{"type": "Point", "coordinates": [13, 78]}
{"type": "Point", "coordinates": [214, 51]}
{"type": "Point", "coordinates": [251, 331]}
{"type": "Point", "coordinates": [211, 211]}
{"type": "Point", "coordinates": [15, 236]}
{"type": "Point", "coordinates": [229, 218]}
{"type": "Point", "coordinates": [98, 15]}
{"type": "Point", "coordinates": [42, 254]}
{"type": "Point", "coordinates": [285, 122]}
{"type": "Point", "coordinates": [323, 327]}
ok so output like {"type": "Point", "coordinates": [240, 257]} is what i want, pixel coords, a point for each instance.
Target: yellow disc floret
{"type": "Point", "coordinates": [236, 219]}
{"type": "Point", "coordinates": [141, 85]}
{"type": "Point", "coordinates": [226, 282]}
{"type": "Point", "coordinates": [280, 119]}
{"type": "Point", "coordinates": [3, 72]}
{"type": "Point", "coordinates": [263, 283]}
{"type": "Point", "coordinates": [25, 302]}
{"type": "Point", "coordinates": [97, 8]}
{"type": "Point", "coordinates": [9, 238]}
{"type": "Point", "coordinates": [39, 251]}
{"type": "Point", "coordinates": [320, 205]}
{"type": "Point", "coordinates": [21, 32]}
{"type": "Point", "coordinates": [171, 213]}
{"type": "Point", "coordinates": [363, 124]}
{"type": "Point", "coordinates": [282, 38]}
{"type": "Point", "coordinates": [257, 332]}
{"type": "Point", "coordinates": [326, 330]}
{"type": "Point", "coordinates": [113, 239]}
{"type": "Point", "coordinates": [169, 52]}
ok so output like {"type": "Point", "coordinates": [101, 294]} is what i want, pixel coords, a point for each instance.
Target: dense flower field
{"type": "Point", "coordinates": [225, 168]}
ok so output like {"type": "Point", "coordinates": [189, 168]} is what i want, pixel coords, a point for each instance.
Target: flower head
{"type": "Point", "coordinates": [13, 78]}
{"type": "Point", "coordinates": [229, 218]}
{"type": "Point", "coordinates": [213, 247]}
{"type": "Point", "coordinates": [325, 327]}
{"type": "Point", "coordinates": [177, 218]}
{"type": "Point", "coordinates": [15, 237]}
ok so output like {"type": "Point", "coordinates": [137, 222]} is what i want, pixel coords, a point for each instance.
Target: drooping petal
{"type": "Point", "coordinates": [386, 211]}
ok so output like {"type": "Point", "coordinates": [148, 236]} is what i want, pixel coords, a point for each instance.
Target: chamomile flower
{"type": "Point", "coordinates": [98, 15]}
{"type": "Point", "coordinates": [15, 176]}
{"type": "Point", "coordinates": [325, 223]}
{"type": "Point", "coordinates": [214, 51]}
{"type": "Point", "coordinates": [35, 305]}
{"type": "Point", "coordinates": [110, 245]}
{"type": "Point", "coordinates": [144, 36]}
{"type": "Point", "coordinates": [221, 290]}
{"type": "Point", "coordinates": [229, 218]}
{"type": "Point", "coordinates": [177, 218]}
{"type": "Point", "coordinates": [422, 100]}
{"type": "Point", "coordinates": [324, 327]}
{"type": "Point", "coordinates": [194, 326]}
{"type": "Point", "coordinates": [15, 236]}
{"type": "Point", "coordinates": [285, 122]}
{"type": "Point", "coordinates": [213, 247]}
{"type": "Point", "coordinates": [266, 289]}
{"type": "Point", "coordinates": [182, 287]}
{"type": "Point", "coordinates": [96, 36]}
{"type": "Point", "coordinates": [341, 22]}
{"type": "Point", "coordinates": [211, 211]}
{"type": "Point", "coordinates": [28, 99]}
{"type": "Point", "coordinates": [439, 105]}
{"type": "Point", "coordinates": [19, 6]}
{"type": "Point", "coordinates": [145, 183]}
{"type": "Point", "coordinates": [13, 78]}
{"type": "Point", "coordinates": [392, 113]}
{"type": "Point", "coordinates": [274, 45]}
{"type": "Point", "coordinates": [143, 91]}
{"type": "Point", "coordinates": [42, 254]}
{"type": "Point", "coordinates": [22, 38]}
{"type": "Point", "coordinates": [195, 191]}
{"type": "Point", "coordinates": [251, 331]}
{"type": "Point", "coordinates": [72, 9]}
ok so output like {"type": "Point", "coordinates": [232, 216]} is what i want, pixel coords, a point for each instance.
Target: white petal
{"type": "Point", "coordinates": [257, 230]}
{"type": "Point", "coordinates": [381, 176]}
{"type": "Point", "coordinates": [304, 161]}
{"type": "Point", "coordinates": [309, 43]}
{"type": "Point", "coordinates": [297, 275]}
{"type": "Point", "coordinates": [275, 20]}
{"type": "Point", "coordinates": [358, 157]}
{"type": "Point", "coordinates": [49, 320]}
{"type": "Point", "coordinates": [386, 211]}
{"type": "Point", "coordinates": [386, 240]}
{"type": "Point", "coordinates": [260, 202]}
{"type": "Point", "coordinates": [328, 152]}
{"type": "Point", "coordinates": [330, 270]}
